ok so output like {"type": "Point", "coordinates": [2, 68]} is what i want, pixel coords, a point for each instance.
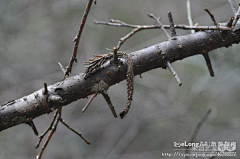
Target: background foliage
{"type": "Point", "coordinates": [35, 35]}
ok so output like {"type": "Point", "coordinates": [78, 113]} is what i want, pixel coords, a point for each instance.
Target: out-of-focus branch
{"type": "Point", "coordinates": [189, 14]}
{"type": "Point", "coordinates": [73, 88]}
{"type": "Point", "coordinates": [197, 128]}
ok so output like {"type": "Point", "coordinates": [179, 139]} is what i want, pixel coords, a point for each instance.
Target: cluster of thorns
{"type": "Point", "coordinates": [115, 55]}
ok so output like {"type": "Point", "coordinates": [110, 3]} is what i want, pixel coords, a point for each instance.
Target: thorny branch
{"type": "Point", "coordinates": [101, 73]}
{"type": "Point", "coordinates": [73, 88]}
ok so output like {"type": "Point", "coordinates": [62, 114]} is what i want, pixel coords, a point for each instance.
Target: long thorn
{"type": "Point", "coordinates": [173, 31]}
{"type": "Point", "coordinates": [107, 98]}
{"type": "Point", "coordinates": [208, 62]}
{"type": "Point", "coordinates": [32, 125]}
{"type": "Point", "coordinates": [89, 102]}
{"type": "Point", "coordinates": [169, 66]}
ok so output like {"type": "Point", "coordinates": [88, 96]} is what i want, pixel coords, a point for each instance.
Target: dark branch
{"type": "Point", "coordinates": [73, 88]}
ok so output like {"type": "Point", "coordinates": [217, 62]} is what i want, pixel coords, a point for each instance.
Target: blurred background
{"type": "Point", "coordinates": [36, 34]}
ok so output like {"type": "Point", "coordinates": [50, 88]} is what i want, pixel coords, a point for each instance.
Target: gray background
{"type": "Point", "coordinates": [36, 34]}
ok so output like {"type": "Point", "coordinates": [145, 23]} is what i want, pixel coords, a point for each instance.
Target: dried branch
{"type": "Point", "coordinates": [39, 156]}
{"type": "Point", "coordinates": [212, 16]}
{"type": "Point", "coordinates": [77, 39]}
{"type": "Point", "coordinates": [79, 134]}
{"type": "Point", "coordinates": [159, 24]}
{"type": "Point", "coordinates": [73, 88]}
{"type": "Point", "coordinates": [184, 27]}
{"type": "Point", "coordinates": [48, 129]}
{"type": "Point", "coordinates": [196, 130]}
{"type": "Point", "coordinates": [189, 14]}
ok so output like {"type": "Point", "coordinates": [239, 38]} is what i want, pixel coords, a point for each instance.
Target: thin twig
{"type": "Point", "coordinates": [48, 129]}
{"type": "Point", "coordinates": [234, 10]}
{"type": "Point", "coordinates": [189, 14]}
{"type": "Point", "coordinates": [77, 39]}
{"type": "Point", "coordinates": [107, 98]}
{"type": "Point", "coordinates": [79, 134]}
{"type": "Point", "coordinates": [184, 27]}
{"type": "Point", "coordinates": [123, 39]}
{"type": "Point", "coordinates": [169, 66]}
{"type": "Point", "coordinates": [208, 62]}
{"type": "Point", "coordinates": [196, 130]}
{"type": "Point", "coordinates": [88, 103]}
{"type": "Point", "coordinates": [50, 134]}
{"type": "Point", "coordinates": [159, 24]}
{"type": "Point", "coordinates": [173, 31]}
{"type": "Point", "coordinates": [237, 15]}
{"type": "Point", "coordinates": [62, 68]}
{"type": "Point", "coordinates": [212, 16]}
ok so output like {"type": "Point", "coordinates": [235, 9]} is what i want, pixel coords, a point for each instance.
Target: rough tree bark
{"type": "Point", "coordinates": [73, 88]}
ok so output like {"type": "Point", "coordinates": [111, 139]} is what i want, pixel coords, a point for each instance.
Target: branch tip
{"type": "Point", "coordinates": [212, 16]}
